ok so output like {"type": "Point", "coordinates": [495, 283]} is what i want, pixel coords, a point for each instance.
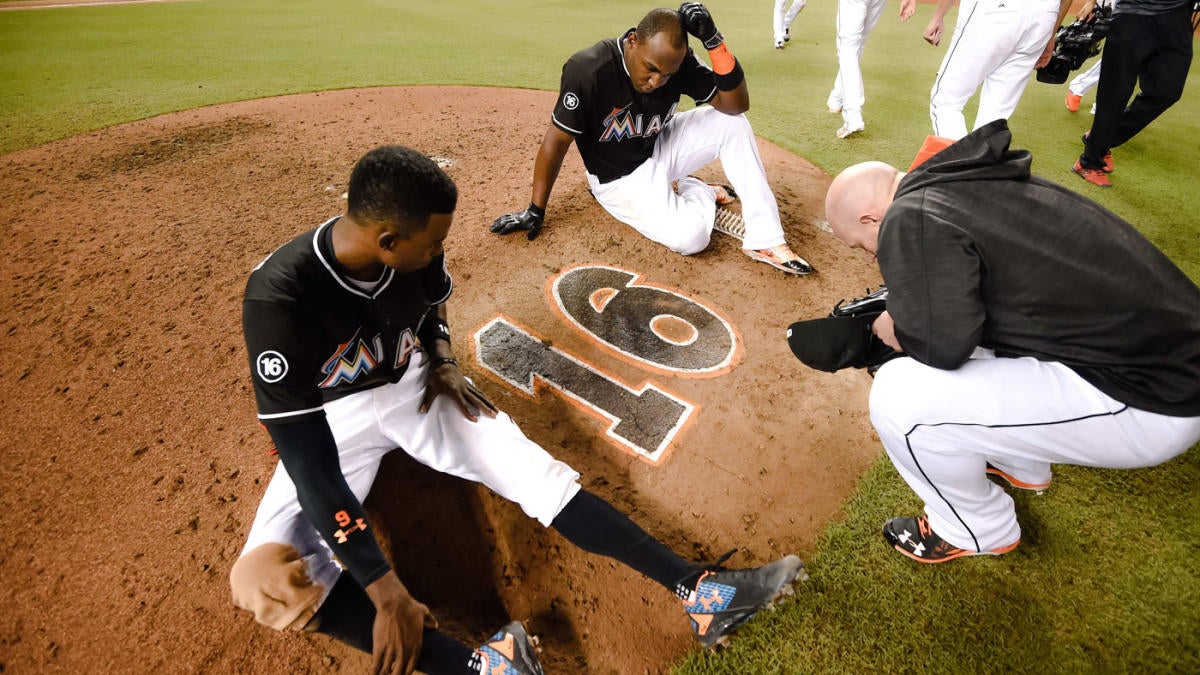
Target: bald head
{"type": "Point", "coordinates": [857, 200]}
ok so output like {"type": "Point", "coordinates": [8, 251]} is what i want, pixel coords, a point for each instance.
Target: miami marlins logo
{"type": "Point", "coordinates": [622, 124]}
{"type": "Point", "coordinates": [351, 360]}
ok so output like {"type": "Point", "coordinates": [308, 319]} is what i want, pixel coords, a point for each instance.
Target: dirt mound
{"type": "Point", "coordinates": [134, 463]}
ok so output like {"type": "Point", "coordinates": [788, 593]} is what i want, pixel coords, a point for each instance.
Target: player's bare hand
{"type": "Point", "coordinates": [447, 379]}
{"type": "Point", "coordinates": [400, 623]}
{"type": "Point", "coordinates": [530, 220]}
{"type": "Point", "coordinates": [885, 329]}
{"type": "Point", "coordinates": [907, 9]}
{"type": "Point", "coordinates": [1047, 53]}
{"type": "Point", "coordinates": [1087, 11]}
{"type": "Point", "coordinates": [933, 32]}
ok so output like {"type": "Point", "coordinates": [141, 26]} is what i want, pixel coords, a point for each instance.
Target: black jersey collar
{"type": "Point", "coordinates": [621, 52]}
{"type": "Point", "coordinates": [323, 247]}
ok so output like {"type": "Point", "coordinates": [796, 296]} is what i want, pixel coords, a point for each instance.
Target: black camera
{"type": "Point", "coordinates": [1074, 44]}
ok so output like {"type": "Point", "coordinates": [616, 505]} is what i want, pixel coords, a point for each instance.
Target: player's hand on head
{"type": "Point", "coordinates": [447, 379]}
{"type": "Point", "coordinates": [698, 22]}
{"type": "Point", "coordinates": [529, 220]}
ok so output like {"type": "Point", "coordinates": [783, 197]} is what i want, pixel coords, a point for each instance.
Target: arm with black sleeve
{"type": "Point", "coordinates": [309, 454]}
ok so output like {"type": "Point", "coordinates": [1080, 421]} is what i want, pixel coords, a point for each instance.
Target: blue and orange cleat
{"type": "Point", "coordinates": [509, 652]}
{"type": "Point", "coordinates": [723, 600]}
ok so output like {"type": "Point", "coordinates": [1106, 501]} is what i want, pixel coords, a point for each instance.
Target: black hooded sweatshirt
{"type": "Point", "coordinates": [977, 251]}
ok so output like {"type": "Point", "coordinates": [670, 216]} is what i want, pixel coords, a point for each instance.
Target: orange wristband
{"type": "Point", "coordinates": [722, 59]}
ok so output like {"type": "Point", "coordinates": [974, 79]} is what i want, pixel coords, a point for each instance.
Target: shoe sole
{"type": "Point", "coordinates": [1039, 488]}
{"type": "Point", "coordinates": [847, 133]}
{"type": "Point", "coordinates": [791, 572]}
{"type": "Point", "coordinates": [757, 257]}
{"type": "Point", "coordinates": [962, 554]}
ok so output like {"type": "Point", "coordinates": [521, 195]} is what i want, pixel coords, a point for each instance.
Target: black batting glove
{"type": "Point", "coordinates": [530, 219]}
{"type": "Point", "coordinates": [699, 23]}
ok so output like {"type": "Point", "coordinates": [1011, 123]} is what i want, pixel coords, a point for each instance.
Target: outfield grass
{"type": "Point", "coordinates": [1106, 579]}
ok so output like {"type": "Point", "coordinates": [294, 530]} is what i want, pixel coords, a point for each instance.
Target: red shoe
{"type": "Point", "coordinates": [1073, 102]}
{"type": "Point", "coordinates": [1097, 177]}
{"type": "Point", "coordinates": [1108, 162]}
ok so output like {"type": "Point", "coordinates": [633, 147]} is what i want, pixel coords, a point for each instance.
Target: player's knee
{"type": "Point", "coordinates": [687, 240]}
{"type": "Point", "coordinates": [272, 582]}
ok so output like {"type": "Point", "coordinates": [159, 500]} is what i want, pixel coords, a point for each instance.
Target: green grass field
{"type": "Point", "coordinates": [1107, 577]}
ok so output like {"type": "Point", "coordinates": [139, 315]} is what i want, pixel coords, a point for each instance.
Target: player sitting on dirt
{"type": "Point", "coordinates": [1040, 328]}
{"type": "Point", "coordinates": [350, 357]}
{"type": "Point", "coordinates": [617, 104]}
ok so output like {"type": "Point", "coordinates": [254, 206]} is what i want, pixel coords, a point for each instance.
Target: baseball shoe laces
{"type": "Point", "coordinates": [511, 651]}
{"type": "Point", "coordinates": [913, 537]}
{"type": "Point", "coordinates": [723, 600]}
{"type": "Point", "coordinates": [781, 257]}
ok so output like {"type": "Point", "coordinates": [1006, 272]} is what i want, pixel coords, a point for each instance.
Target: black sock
{"type": "Point", "coordinates": [593, 525]}
{"type": "Point", "coordinates": [348, 616]}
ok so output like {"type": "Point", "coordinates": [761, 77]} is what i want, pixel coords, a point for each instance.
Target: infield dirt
{"type": "Point", "coordinates": [134, 464]}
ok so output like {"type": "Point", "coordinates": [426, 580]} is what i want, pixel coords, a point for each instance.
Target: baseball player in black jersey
{"type": "Point", "coordinates": [1040, 328]}
{"type": "Point", "coordinates": [351, 357]}
{"type": "Point", "coordinates": [617, 103]}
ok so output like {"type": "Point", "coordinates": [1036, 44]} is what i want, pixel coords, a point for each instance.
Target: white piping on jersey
{"type": "Point", "coordinates": [275, 416]}
{"type": "Point", "coordinates": [564, 127]}
{"type": "Point", "coordinates": [388, 274]}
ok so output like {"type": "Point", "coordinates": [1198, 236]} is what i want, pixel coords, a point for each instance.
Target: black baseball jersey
{"type": "Point", "coordinates": [315, 335]}
{"type": "Point", "coordinates": [977, 251]}
{"type": "Point", "coordinates": [615, 125]}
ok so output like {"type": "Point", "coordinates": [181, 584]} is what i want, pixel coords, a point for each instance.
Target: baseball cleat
{"type": "Point", "coordinates": [730, 223]}
{"type": "Point", "coordinates": [1037, 487]}
{"type": "Point", "coordinates": [846, 131]}
{"type": "Point", "coordinates": [511, 651]}
{"type": "Point", "coordinates": [1072, 102]}
{"type": "Point", "coordinates": [1097, 177]}
{"type": "Point", "coordinates": [781, 257]}
{"type": "Point", "coordinates": [723, 600]}
{"type": "Point", "coordinates": [913, 537]}
{"type": "Point", "coordinates": [779, 43]}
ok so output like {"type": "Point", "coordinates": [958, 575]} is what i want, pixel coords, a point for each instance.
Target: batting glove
{"type": "Point", "coordinates": [699, 23]}
{"type": "Point", "coordinates": [530, 219]}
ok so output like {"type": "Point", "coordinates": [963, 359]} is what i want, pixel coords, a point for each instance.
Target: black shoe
{"type": "Point", "coordinates": [914, 538]}
{"type": "Point", "coordinates": [509, 652]}
{"type": "Point", "coordinates": [723, 600]}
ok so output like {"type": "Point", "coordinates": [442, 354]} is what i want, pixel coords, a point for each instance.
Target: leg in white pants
{"type": "Point", "coordinates": [683, 222]}
{"type": "Point", "coordinates": [941, 427]}
{"type": "Point", "coordinates": [993, 44]}
{"type": "Point", "coordinates": [369, 424]}
{"type": "Point", "coordinates": [1083, 82]}
{"type": "Point", "coordinates": [855, 21]}
{"type": "Point", "coordinates": [784, 16]}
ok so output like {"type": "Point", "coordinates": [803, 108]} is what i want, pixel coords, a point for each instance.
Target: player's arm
{"type": "Point", "coordinates": [309, 454]}
{"type": "Point", "coordinates": [733, 96]}
{"type": "Point", "coordinates": [1063, 6]}
{"type": "Point", "coordinates": [933, 280]}
{"type": "Point", "coordinates": [933, 31]}
{"type": "Point", "coordinates": [444, 375]}
{"type": "Point", "coordinates": [566, 122]}
{"type": "Point", "coordinates": [907, 9]}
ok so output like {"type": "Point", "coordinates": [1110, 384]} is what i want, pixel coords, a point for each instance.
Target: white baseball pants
{"type": "Point", "coordinates": [372, 423]}
{"type": "Point", "coordinates": [785, 15]}
{"type": "Point", "coordinates": [941, 427]}
{"type": "Point", "coordinates": [1083, 82]}
{"type": "Point", "coordinates": [855, 21]}
{"type": "Point", "coordinates": [996, 43]}
{"type": "Point", "coordinates": [683, 222]}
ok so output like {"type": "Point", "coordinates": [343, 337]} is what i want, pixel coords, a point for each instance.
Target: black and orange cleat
{"type": "Point", "coordinates": [722, 600]}
{"type": "Point", "coordinates": [913, 537]}
{"type": "Point", "coordinates": [511, 651]}
{"type": "Point", "coordinates": [1097, 177]}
